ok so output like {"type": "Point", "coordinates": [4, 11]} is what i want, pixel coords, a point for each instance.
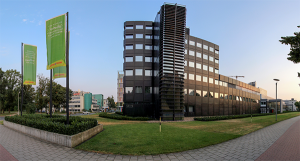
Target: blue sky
{"type": "Point", "coordinates": [246, 31]}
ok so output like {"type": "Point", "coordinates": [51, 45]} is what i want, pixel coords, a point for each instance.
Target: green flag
{"type": "Point", "coordinates": [56, 41]}
{"type": "Point", "coordinates": [29, 64]}
{"type": "Point", "coordinates": [59, 72]}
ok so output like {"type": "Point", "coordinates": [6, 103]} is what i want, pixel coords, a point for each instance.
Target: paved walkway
{"type": "Point", "coordinates": [248, 147]}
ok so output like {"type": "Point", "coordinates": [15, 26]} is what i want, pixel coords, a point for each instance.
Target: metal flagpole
{"type": "Point", "coordinates": [22, 76]}
{"type": "Point", "coordinates": [50, 93]}
{"type": "Point", "coordinates": [67, 70]}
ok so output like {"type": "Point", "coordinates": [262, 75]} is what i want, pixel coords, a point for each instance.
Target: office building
{"type": "Point", "coordinates": [169, 73]}
{"type": "Point", "coordinates": [120, 91]}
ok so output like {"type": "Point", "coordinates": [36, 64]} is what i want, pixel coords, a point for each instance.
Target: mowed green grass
{"type": "Point", "coordinates": [142, 138]}
{"type": "Point", "coordinates": [1, 122]}
{"type": "Point", "coordinates": [7, 114]}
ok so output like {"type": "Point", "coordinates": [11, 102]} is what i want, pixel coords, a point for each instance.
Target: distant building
{"type": "Point", "coordinates": [99, 100]}
{"type": "Point", "coordinates": [290, 105]}
{"type": "Point", "coordinates": [120, 91]}
{"type": "Point", "coordinates": [85, 100]}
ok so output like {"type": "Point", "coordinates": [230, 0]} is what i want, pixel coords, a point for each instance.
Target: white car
{"type": "Point", "coordinates": [85, 112]}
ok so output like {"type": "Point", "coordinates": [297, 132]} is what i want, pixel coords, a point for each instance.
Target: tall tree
{"type": "Point", "coordinates": [294, 42]}
{"type": "Point", "coordinates": [111, 102]}
{"type": "Point", "coordinates": [41, 97]}
{"type": "Point", "coordinates": [298, 105]}
{"type": "Point", "coordinates": [58, 94]}
{"type": "Point", "coordinates": [13, 78]}
{"type": "Point", "coordinates": [3, 86]}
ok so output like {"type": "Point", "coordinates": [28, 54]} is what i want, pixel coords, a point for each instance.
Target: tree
{"type": "Point", "coordinates": [111, 102]}
{"type": "Point", "coordinates": [294, 42]}
{"type": "Point", "coordinates": [3, 86]}
{"type": "Point", "coordinates": [41, 97]}
{"type": "Point", "coordinates": [58, 94]}
{"type": "Point", "coordinates": [298, 105]}
{"type": "Point", "coordinates": [13, 80]}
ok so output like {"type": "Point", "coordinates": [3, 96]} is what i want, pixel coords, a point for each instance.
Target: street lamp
{"type": "Point", "coordinates": [18, 102]}
{"type": "Point", "coordinates": [276, 96]}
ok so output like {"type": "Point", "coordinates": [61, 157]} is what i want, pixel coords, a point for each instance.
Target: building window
{"type": "Point", "coordinates": [211, 58]}
{"type": "Point", "coordinates": [204, 67]}
{"type": "Point", "coordinates": [191, 76]}
{"type": "Point", "coordinates": [148, 89]}
{"type": "Point", "coordinates": [148, 59]}
{"type": "Point", "coordinates": [129, 59]}
{"type": "Point", "coordinates": [199, 45]}
{"type": "Point", "coordinates": [138, 72]}
{"type": "Point", "coordinates": [237, 98]}
{"type": "Point", "coordinates": [128, 36]}
{"type": "Point", "coordinates": [217, 61]}
{"type": "Point", "coordinates": [128, 27]}
{"type": "Point", "coordinates": [192, 42]}
{"type": "Point", "coordinates": [216, 95]}
{"type": "Point", "coordinates": [148, 36]}
{"type": "Point", "coordinates": [191, 64]}
{"type": "Point", "coordinates": [129, 47]}
{"type": "Point", "coordinates": [192, 53]}
{"type": "Point", "coordinates": [148, 72]}
{"type": "Point", "coordinates": [185, 51]}
{"type": "Point", "coordinates": [191, 92]}
{"type": "Point", "coordinates": [198, 78]}
{"type": "Point", "coordinates": [138, 58]}
{"type": "Point", "coordinates": [138, 46]}
{"type": "Point", "coordinates": [138, 89]}
{"type": "Point", "coordinates": [139, 36]}
{"type": "Point", "coordinates": [221, 95]}
{"type": "Point", "coordinates": [226, 96]}
{"type": "Point", "coordinates": [128, 72]}
{"type": "Point", "coordinates": [128, 90]}
{"type": "Point", "coordinates": [205, 94]}
{"type": "Point", "coordinates": [204, 79]}
{"type": "Point", "coordinates": [148, 47]}
{"type": "Point", "coordinates": [185, 63]}
{"type": "Point", "coordinates": [185, 76]}
{"type": "Point", "coordinates": [185, 91]}
{"type": "Point", "coordinates": [225, 84]}
{"type": "Point", "coordinates": [216, 71]}
{"type": "Point", "coordinates": [198, 55]}
{"type": "Point", "coordinates": [198, 92]}
{"type": "Point", "coordinates": [220, 83]}
{"type": "Point", "coordinates": [211, 80]}
{"type": "Point", "coordinates": [198, 66]}
{"type": "Point", "coordinates": [230, 97]}
{"type": "Point", "coordinates": [139, 27]}
{"type": "Point", "coordinates": [217, 51]}
{"type": "Point", "coordinates": [205, 56]}
{"type": "Point", "coordinates": [211, 69]}
{"type": "Point", "coordinates": [211, 49]}
{"type": "Point", "coordinates": [191, 108]}
{"type": "Point", "coordinates": [211, 94]}
{"type": "Point", "coordinates": [185, 41]}
{"type": "Point", "coordinates": [205, 47]}
{"type": "Point", "coordinates": [148, 27]}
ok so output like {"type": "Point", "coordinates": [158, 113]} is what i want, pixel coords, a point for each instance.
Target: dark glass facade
{"type": "Point", "coordinates": [170, 74]}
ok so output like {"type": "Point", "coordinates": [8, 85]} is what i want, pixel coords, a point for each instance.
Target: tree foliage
{"type": "Point", "coordinates": [298, 105]}
{"type": "Point", "coordinates": [58, 94]}
{"type": "Point", "coordinates": [41, 92]}
{"type": "Point", "coordinates": [294, 42]}
{"type": "Point", "coordinates": [111, 102]}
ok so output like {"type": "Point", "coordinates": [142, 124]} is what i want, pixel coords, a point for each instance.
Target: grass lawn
{"type": "Point", "coordinates": [142, 138]}
{"type": "Point", "coordinates": [1, 122]}
{"type": "Point", "coordinates": [7, 114]}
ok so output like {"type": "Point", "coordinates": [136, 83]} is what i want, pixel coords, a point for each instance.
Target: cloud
{"type": "Point", "coordinates": [40, 22]}
{"type": "Point", "coordinates": [24, 20]}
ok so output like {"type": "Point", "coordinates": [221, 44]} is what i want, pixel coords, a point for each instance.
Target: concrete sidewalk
{"type": "Point", "coordinates": [248, 147]}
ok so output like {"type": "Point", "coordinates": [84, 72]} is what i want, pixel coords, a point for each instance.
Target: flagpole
{"type": "Point", "coordinates": [22, 76]}
{"type": "Point", "coordinates": [67, 70]}
{"type": "Point", "coordinates": [50, 93]}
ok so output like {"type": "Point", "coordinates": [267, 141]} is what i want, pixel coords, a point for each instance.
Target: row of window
{"type": "Point", "coordinates": [74, 101]}
{"type": "Point", "coordinates": [128, 27]}
{"type": "Point", "coordinates": [198, 66]}
{"type": "Point", "coordinates": [138, 59]}
{"type": "Point", "coordinates": [138, 89]}
{"type": "Point", "coordinates": [75, 97]}
{"type": "Point", "coordinates": [192, 53]}
{"type": "Point", "coordinates": [74, 105]}
{"type": "Point", "coordinates": [138, 72]}
{"type": "Point", "coordinates": [200, 46]}
{"type": "Point", "coordinates": [193, 92]}
{"type": "Point", "coordinates": [138, 46]}
{"type": "Point", "coordinates": [205, 79]}
{"type": "Point", "coordinates": [138, 36]}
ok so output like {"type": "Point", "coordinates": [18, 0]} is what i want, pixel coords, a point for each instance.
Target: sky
{"type": "Point", "coordinates": [247, 32]}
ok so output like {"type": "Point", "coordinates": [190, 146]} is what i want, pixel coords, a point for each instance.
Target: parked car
{"type": "Point", "coordinates": [86, 112]}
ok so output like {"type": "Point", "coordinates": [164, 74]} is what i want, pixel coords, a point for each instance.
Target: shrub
{"type": "Point", "coordinates": [55, 124]}
{"type": "Point", "coordinates": [119, 113]}
{"type": "Point", "coordinates": [118, 117]}
{"type": "Point", "coordinates": [30, 108]}
{"type": "Point", "coordinates": [214, 118]}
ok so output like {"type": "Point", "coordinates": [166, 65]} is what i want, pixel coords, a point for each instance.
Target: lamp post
{"type": "Point", "coordinates": [276, 96]}
{"type": "Point", "coordinates": [18, 102]}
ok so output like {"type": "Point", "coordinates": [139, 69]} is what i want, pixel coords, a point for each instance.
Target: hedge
{"type": "Point", "coordinates": [214, 118]}
{"type": "Point", "coordinates": [119, 113]}
{"type": "Point", "coordinates": [55, 124]}
{"type": "Point", "coordinates": [119, 117]}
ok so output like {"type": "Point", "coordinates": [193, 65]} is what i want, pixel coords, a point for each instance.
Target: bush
{"type": "Point", "coordinates": [30, 108]}
{"type": "Point", "coordinates": [55, 124]}
{"type": "Point", "coordinates": [215, 118]}
{"type": "Point", "coordinates": [63, 111]}
{"type": "Point", "coordinates": [122, 117]}
{"type": "Point", "coordinates": [119, 113]}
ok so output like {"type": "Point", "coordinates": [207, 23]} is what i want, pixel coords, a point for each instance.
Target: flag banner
{"type": "Point", "coordinates": [56, 41]}
{"type": "Point", "coordinates": [59, 72]}
{"type": "Point", "coordinates": [29, 64]}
